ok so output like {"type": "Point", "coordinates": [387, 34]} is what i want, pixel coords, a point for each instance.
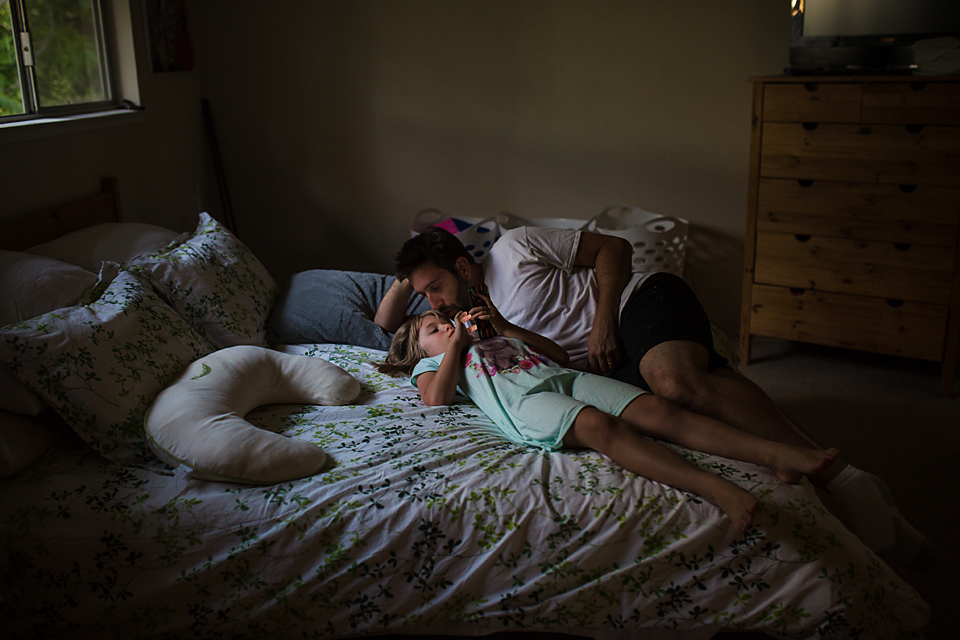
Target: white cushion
{"type": "Point", "coordinates": [107, 242]}
{"type": "Point", "coordinates": [198, 421]}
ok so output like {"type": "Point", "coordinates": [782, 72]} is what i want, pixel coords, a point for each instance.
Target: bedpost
{"type": "Point", "coordinates": [112, 185]}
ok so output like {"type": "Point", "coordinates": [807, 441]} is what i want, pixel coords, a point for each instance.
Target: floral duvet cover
{"type": "Point", "coordinates": [425, 521]}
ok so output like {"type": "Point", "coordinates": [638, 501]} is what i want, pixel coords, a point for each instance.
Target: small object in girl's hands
{"type": "Point", "coordinates": [484, 327]}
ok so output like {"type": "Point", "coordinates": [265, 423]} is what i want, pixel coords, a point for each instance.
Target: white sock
{"type": "Point", "coordinates": [878, 523]}
{"type": "Point", "coordinates": [867, 507]}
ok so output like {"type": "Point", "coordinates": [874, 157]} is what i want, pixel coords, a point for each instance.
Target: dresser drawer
{"type": "Point", "coordinates": [812, 102]}
{"type": "Point", "coordinates": [863, 211]}
{"type": "Point", "coordinates": [861, 153]}
{"type": "Point", "coordinates": [912, 329]}
{"type": "Point", "coordinates": [881, 269]}
{"type": "Point", "coordinates": [912, 102]}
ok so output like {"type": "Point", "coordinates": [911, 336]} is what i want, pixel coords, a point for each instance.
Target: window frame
{"type": "Point", "coordinates": [114, 29]}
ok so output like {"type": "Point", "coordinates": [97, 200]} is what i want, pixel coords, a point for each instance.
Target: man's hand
{"type": "Point", "coordinates": [603, 346]}
{"type": "Point", "coordinates": [609, 257]}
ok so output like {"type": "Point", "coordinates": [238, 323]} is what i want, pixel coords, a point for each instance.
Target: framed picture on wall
{"type": "Point", "coordinates": [167, 35]}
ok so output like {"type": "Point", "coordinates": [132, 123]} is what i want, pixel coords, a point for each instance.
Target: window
{"type": "Point", "coordinates": [53, 58]}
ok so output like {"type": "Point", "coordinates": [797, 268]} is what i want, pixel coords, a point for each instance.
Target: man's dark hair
{"type": "Point", "coordinates": [435, 245]}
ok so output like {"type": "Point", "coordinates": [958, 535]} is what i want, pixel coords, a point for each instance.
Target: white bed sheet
{"type": "Point", "coordinates": [425, 522]}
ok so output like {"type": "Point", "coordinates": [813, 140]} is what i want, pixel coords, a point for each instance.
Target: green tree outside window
{"type": "Point", "coordinates": [68, 54]}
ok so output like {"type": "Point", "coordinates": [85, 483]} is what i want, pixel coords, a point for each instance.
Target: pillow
{"type": "Point", "coordinates": [329, 306]}
{"type": "Point", "coordinates": [31, 285]}
{"type": "Point", "coordinates": [198, 420]}
{"type": "Point", "coordinates": [213, 281]}
{"type": "Point", "coordinates": [108, 242]}
{"type": "Point", "coordinates": [101, 363]}
{"type": "Point", "coordinates": [22, 440]}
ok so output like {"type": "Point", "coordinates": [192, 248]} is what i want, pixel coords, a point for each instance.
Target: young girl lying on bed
{"type": "Point", "coordinates": [514, 378]}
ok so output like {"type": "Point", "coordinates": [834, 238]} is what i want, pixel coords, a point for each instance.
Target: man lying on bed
{"type": "Point", "coordinates": [649, 330]}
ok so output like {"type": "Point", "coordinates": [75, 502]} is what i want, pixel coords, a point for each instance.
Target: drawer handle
{"type": "Point", "coordinates": [918, 86]}
{"type": "Point", "coordinates": [901, 246]}
{"type": "Point", "coordinates": [810, 126]}
{"type": "Point", "coordinates": [797, 291]}
{"type": "Point", "coordinates": [908, 188]}
{"type": "Point", "coordinates": [802, 237]}
{"type": "Point", "coordinates": [811, 86]}
{"type": "Point", "coordinates": [865, 131]}
{"type": "Point", "coordinates": [805, 183]}
{"type": "Point", "coordinates": [914, 128]}
{"type": "Point", "coordinates": [893, 302]}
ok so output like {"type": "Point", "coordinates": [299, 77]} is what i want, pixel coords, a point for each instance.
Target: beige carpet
{"type": "Point", "coordinates": [886, 417]}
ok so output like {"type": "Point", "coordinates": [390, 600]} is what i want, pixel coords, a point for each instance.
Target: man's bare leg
{"type": "Point", "coordinates": [677, 370]}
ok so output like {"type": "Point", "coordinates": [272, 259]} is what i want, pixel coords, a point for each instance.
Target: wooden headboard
{"type": "Point", "coordinates": [47, 225]}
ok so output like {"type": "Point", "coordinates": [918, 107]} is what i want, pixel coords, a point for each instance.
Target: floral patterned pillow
{"type": "Point", "coordinates": [215, 282]}
{"type": "Point", "coordinates": [100, 364]}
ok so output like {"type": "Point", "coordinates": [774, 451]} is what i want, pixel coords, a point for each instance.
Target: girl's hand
{"type": "Point", "coordinates": [461, 337]}
{"type": "Point", "coordinates": [490, 312]}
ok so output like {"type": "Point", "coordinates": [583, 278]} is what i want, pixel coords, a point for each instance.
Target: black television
{"type": "Point", "coordinates": [865, 36]}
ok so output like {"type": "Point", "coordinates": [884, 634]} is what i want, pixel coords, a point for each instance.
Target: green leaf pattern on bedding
{"type": "Point", "coordinates": [139, 344]}
{"type": "Point", "coordinates": [215, 282]}
{"type": "Point", "coordinates": [428, 520]}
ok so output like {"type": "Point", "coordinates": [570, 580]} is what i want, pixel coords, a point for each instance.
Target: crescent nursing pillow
{"type": "Point", "coordinates": [198, 421]}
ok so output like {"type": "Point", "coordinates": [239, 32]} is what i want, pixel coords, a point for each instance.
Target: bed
{"type": "Point", "coordinates": [422, 521]}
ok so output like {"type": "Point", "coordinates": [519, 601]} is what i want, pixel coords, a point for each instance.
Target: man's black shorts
{"type": "Point", "coordinates": [664, 308]}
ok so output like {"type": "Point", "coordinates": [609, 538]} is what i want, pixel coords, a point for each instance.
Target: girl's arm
{"type": "Point", "coordinates": [543, 344]}
{"type": "Point", "coordinates": [439, 387]}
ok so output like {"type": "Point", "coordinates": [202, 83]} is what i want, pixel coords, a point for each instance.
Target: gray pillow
{"type": "Point", "coordinates": [331, 306]}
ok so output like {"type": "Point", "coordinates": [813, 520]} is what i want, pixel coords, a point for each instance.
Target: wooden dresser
{"type": "Point", "coordinates": [853, 216]}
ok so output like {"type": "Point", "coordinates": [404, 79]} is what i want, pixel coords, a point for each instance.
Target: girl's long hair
{"type": "Point", "coordinates": [405, 351]}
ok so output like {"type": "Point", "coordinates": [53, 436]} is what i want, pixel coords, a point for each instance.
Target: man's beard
{"type": "Point", "coordinates": [462, 302]}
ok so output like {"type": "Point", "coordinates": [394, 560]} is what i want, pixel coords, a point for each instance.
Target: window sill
{"type": "Point", "coordinates": [65, 125]}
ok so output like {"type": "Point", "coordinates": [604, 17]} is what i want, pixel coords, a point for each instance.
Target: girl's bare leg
{"type": "Point", "coordinates": [622, 443]}
{"type": "Point", "coordinates": [659, 418]}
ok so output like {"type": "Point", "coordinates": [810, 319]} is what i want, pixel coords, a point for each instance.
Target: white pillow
{"type": "Point", "coordinates": [22, 440]}
{"type": "Point", "coordinates": [108, 242]}
{"type": "Point", "coordinates": [29, 286]}
{"type": "Point", "coordinates": [199, 421]}
{"type": "Point", "coordinates": [101, 363]}
{"type": "Point", "coordinates": [215, 282]}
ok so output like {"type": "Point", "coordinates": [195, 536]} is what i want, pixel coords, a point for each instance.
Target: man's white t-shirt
{"type": "Point", "coordinates": [533, 283]}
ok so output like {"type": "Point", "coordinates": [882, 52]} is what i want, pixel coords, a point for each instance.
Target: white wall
{"type": "Point", "coordinates": [338, 121]}
{"type": "Point", "coordinates": [158, 154]}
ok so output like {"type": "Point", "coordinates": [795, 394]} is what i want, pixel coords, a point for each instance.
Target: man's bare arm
{"type": "Point", "coordinates": [609, 257]}
{"type": "Point", "coordinates": [393, 308]}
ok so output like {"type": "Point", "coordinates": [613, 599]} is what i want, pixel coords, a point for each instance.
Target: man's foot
{"type": "Point", "coordinates": [793, 463]}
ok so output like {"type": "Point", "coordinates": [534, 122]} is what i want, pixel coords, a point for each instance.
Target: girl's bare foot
{"type": "Point", "coordinates": [792, 463]}
{"type": "Point", "coordinates": [739, 505]}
